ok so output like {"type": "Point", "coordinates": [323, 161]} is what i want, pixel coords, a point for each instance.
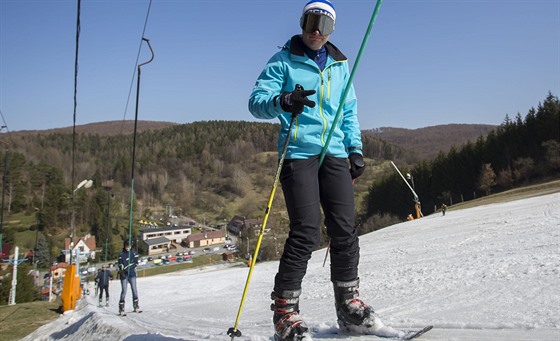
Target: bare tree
{"type": "Point", "coordinates": [487, 178]}
{"type": "Point", "coordinates": [523, 168]}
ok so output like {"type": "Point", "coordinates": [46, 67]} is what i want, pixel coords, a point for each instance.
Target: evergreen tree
{"type": "Point", "coordinates": [42, 252]}
{"type": "Point", "coordinates": [25, 290]}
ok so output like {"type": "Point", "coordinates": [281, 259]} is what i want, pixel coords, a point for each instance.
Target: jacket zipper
{"type": "Point", "coordinates": [321, 97]}
{"type": "Point", "coordinates": [325, 123]}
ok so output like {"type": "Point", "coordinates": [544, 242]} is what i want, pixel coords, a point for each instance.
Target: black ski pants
{"type": "Point", "coordinates": [308, 188]}
{"type": "Point", "coordinates": [106, 289]}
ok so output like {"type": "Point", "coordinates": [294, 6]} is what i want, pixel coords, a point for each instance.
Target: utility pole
{"type": "Point", "coordinates": [15, 262]}
{"type": "Point", "coordinates": [37, 218]}
{"type": "Point", "coordinates": [4, 176]}
{"type": "Point", "coordinates": [108, 186]}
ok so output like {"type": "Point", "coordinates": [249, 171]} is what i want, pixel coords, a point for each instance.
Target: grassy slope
{"type": "Point", "coordinates": [17, 321]}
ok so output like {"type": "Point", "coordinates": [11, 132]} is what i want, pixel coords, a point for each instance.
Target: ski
{"type": "Point", "coordinates": [130, 312]}
{"type": "Point", "coordinates": [385, 332]}
{"type": "Point", "coordinates": [303, 337]}
{"type": "Point", "coordinates": [414, 334]}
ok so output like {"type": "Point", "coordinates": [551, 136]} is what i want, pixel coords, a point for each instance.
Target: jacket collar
{"type": "Point", "coordinates": [297, 47]}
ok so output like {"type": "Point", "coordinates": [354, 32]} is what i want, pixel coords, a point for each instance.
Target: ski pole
{"type": "Point", "coordinates": [347, 89]}
{"type": "Point", "coordinates": [233, 331]}
{"type": "Point", "coordinates": [351, 78]}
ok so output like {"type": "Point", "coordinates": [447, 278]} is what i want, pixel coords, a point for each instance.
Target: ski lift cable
{"type": "Point", "coordinates": [4, 124]}
{"type": "Point", "coordinates": [73, 171]}
{"type": "Point", "coordinates": [135, 65]}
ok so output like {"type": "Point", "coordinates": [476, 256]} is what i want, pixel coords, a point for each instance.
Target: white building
{"type": "Point", "coordinates": [81, 247]}
{"type": "Point", "coordinates": [160, 240]}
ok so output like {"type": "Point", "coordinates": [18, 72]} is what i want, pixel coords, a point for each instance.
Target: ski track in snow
{"type": "Point", "coordinates": [486, 273]}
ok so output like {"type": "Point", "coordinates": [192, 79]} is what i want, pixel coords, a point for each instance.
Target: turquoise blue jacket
{"type": "Point", "coordinates": [127, 262]}
{"type": "Point", "coordinates": [292, 66]}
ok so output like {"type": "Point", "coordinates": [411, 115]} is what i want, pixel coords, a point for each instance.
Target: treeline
{"type": "Point", "coordinates": [172, 164]}
{"type": "Point", "coordinates": [518, 152]}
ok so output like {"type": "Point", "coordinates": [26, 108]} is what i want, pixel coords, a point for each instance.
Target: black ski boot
{"type": "Point", "coordinates": [354, 316]}
{"type": "Point", "coordinates": [136, 307]}
{"type": "Point", "coordinates": [121, 308]}
{"type": "Point", "coordinates": [288, 323]}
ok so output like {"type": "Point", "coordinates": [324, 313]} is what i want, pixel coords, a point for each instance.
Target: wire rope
{"type": "Point", "coordinates": [135, 64]}
{"type": "Point", "coordinates": [73, 171]}
{"type": "Point", "coordinates": [133, 162]}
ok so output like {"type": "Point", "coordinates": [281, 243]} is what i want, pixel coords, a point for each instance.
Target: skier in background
{"type": "Point", "coordinates": [443, 209]}
{"type": "Point", "coordinates": [102, 279]}
{"type": "Point", "coordinates": [128, 260]}
{"type": "Point", "coordinates": [310, 60]}
{"type": "Point", "coordinates": [97, 282]}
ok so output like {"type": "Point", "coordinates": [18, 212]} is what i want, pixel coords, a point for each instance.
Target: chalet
{"type": "Point", "coordinates": [58, 271]}
{"type": "Point", "coordinates": [227, 256]}
{"type": "Point", "coordinates": [83, 248]}
{"type": "Point", "coordinates": [239, 223]}
{"type": "Point", "coordinates": [205, 239]}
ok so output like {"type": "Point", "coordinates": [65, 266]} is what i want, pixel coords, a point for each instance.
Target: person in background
{"type": "Point", "coordinates": [306, 81]}
{"type": "Point", "coordinates": [97, 282]}
{"type": "Point", "coordinates": [128, 260]}
{"type": "Point", "coordinates": [102, 279]}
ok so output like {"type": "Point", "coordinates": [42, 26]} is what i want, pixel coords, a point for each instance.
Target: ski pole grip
{"type": "Point", "coordinates": [300, 88]}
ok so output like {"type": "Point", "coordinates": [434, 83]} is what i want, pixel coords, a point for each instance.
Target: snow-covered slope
{"type": "Point", "coordinates": [485, 273]}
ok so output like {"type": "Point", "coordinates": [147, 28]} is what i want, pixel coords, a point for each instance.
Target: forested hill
{"type": "Point", "coordinates": [210, 166]}
{"type": "Point", "coordinates": [520, 151]}
{"type": "Point", "coordinates": [214, 170]}
{"type": "Point", "coordinates": [426, 143]}
{"type": "Point", "coordinates": [106, 128]}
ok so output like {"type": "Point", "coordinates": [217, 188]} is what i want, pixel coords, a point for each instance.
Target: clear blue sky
{"type": "Point", "coordinates": [426, 63]}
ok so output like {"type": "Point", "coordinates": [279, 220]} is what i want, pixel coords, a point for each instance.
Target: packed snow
{"type": "Point", "coordinates": [484, 273]}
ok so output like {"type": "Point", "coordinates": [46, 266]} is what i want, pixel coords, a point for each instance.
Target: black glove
{"type": "Point", "coordinates": [294, 101]}
{"type": "Point", "coordinates": [357, 165]}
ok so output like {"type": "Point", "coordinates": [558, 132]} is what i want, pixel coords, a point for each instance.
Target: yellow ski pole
{"type": "Point", "coordinates": [233, 331]}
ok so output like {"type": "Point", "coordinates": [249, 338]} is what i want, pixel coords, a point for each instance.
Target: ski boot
{"type": "Point", "coordinates": [354, 316]}
{"type": "Point", "coordinates": [100, 302]}
{"type": "Point", "coordinates": [121, 309]}
{"type": "Point", "coordinates": [106, 302]}
{"type": "Point", "coordinates": [288, 323]}
{"type": "Point", "coordinates": [136, 307]}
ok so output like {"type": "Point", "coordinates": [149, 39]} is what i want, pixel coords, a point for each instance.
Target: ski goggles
{"type": "Point", "coordinates": [310, 22]}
